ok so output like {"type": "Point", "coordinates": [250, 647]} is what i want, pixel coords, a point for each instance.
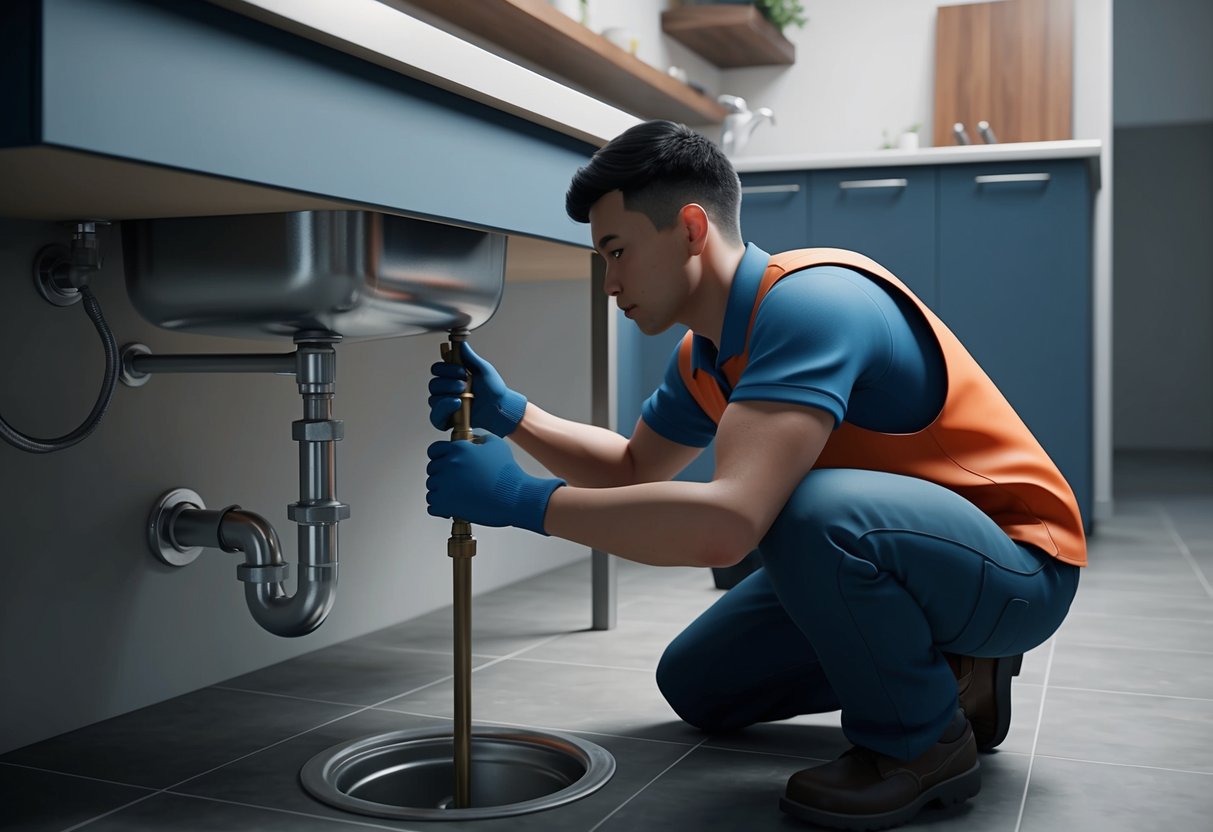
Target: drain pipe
{"type": "Point", "coordinates": [180, 526]}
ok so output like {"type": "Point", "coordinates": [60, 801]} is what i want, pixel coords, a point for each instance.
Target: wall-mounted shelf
{"type": "Point", "coordinates": [538, 32]}
{"type": "Point", "coordinates": [729, 35]}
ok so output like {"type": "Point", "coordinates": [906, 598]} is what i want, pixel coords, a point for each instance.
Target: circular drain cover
{"type": "Point", "coordinates": [411, 774]}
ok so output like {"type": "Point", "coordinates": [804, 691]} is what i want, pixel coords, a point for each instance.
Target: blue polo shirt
{"type": "Point", "coordinates": [827, 337]}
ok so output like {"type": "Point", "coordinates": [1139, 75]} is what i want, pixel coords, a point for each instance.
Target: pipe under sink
{"type": "Point", "coordinates": [358, 274]}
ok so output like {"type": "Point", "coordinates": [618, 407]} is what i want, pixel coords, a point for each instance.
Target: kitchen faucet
{"type": "Point", "coordinates": [740, 123]}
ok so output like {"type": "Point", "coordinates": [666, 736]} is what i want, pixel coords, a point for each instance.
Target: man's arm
{"type": "Point", "coordinates": [593, 457]}
{"type": "Point", "coordinates": [763, 451]}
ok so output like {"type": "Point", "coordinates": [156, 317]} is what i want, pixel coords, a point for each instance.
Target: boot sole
{"type": "Point", "coordinates": [1004, 670]}
{"type": "Point", "coordinates": [950, 792]}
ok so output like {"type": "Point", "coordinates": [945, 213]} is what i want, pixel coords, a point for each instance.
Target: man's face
{"type": "Point", "coordinates": [645, 268]}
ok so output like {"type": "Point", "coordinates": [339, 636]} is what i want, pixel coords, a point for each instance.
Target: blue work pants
{"type": "Point", "coordinates": [867, 579]}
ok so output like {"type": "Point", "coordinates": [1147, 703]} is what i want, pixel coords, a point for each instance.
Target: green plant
{"type": "Point", "coordinates": [888, 144]}
{"type": "Point", "coordinates": [782, 12]}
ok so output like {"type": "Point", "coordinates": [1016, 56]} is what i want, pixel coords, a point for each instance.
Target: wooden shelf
{"type": "Point", "coordinates": [729, 35]}
{"type": "Point", "coordinates": [538, 32]}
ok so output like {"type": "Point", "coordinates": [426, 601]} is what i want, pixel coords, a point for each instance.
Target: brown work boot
{"type": "Point", "coordinates": [866, 790]}
{"type": "Point", "coordinates": [985, 695]}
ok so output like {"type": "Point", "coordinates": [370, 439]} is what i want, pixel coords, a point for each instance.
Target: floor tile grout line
{"type": "Point", "coordinates": [115, 810]}
{"type": "Point", "coordinates": [1139, 648]}
{"type": "Point", "coordinates": [506, 724]}
{"type": "Point", "coordinates": [1184, 550]}
{"type": "Point", "coordinates": [393, 649]}
{"type": "Point", "coordinates": [640, 791]}
{"type": "Point", "coordinates": [287, 696]}
{"type": "Point", "coordinates": [587, 664]}
{"type": "Point", "coordinates": [1040, 716]}
{"type": "Point", "coordinates": [1130, 693]}
{"type": "Point", "coordinates": [1130, 618]}
{"type": "Point", "coordinates": [768, 753]}
{"type": "Point", "coordinates": [348, 821]}
{"type": "Point", "coordinates": [359, 710]}
{"type": "Point", "coordinates": [300, 734]}
{"type": "Point", "coordinates": [1123, 765]}
{"type": "Point", "coordinates": [1090, 590]}
{"type": "Point", "coordinates": [79, 776]}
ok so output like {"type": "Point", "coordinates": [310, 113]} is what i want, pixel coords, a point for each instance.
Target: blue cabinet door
{"type": "Point", "coordinates": [775, 210]}
{"type": "Point", "coordinates": [1015, 287]}
{"type": "Point", "coordinates": [887, 214]}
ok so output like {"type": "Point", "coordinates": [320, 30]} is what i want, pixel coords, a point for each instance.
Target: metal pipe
{"type": "Point", "coordinates": [264, 570]}
{"type": "Point", "coordinates": [317, 512]}
{"type": "Point", "coordinates": [268, 601]}
{"type": "Point", "coordinates": [461, 548]}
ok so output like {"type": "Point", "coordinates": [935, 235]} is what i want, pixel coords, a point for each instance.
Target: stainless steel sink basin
{"type": "Point", "coordinates": [359, 274]}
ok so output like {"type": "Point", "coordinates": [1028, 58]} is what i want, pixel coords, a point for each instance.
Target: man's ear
{"type": "Point", "coordinates": [694, 222]}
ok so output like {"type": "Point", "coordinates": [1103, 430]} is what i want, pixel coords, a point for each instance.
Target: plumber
{"type": "Point", "coordinates": [914, 537]}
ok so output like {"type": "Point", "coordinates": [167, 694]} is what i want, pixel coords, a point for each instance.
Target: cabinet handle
{"type": "Point", "coordinates": [770, 189]}
{"type": "Point", "coordinates": [1011, 177]}
{"type": "Point", "coordinates": [853, 184]}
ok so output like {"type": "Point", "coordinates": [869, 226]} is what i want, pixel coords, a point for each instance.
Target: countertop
{"type": "Point", "coordinates": [959, 154]}
{"type": "Point", "coordinates": [377, 32]}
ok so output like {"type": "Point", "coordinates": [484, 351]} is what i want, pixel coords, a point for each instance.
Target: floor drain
{"type": "Point", "coordinates": [410, 775]}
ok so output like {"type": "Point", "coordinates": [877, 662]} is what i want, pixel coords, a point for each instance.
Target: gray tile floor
{"type": "Point", "coordinates": [1113, 724]}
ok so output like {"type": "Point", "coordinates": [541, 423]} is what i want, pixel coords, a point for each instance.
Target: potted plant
{"type": "Point", "coordinates": [780, 13]}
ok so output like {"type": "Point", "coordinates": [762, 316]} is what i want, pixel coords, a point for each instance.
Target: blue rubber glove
{"type": "Point", "coordinates": [481, 483]}
{"type": "Point", "coordinates": [495, 407]}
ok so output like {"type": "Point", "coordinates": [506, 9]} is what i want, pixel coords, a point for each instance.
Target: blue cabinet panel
{"type": "Point", "coordinates": [775, 210]}
{"type": "Point", "coordinates": [187, 85]}
{"type": "Point", "coordinates": [1015, 287]}
{"type": "Point", "coordinates": [887, 214]}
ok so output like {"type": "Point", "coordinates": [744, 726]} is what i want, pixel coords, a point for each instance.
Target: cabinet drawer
{"type": "Point", "coordinates": [886, 213]}
{"type": "Point", "coordinates": [774, 210]}
{"type": "Point", "coordinates": [1015, 287]}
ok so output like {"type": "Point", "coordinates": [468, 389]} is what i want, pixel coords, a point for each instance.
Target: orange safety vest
{"type": "Point", "coordinates": [977, 446]}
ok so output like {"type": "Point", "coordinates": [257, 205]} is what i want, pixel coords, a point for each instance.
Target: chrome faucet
{"type": "Point", "coordinates": [740, 123]}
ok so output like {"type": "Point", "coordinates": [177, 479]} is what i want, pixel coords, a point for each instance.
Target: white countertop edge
{"type": "Point", "coordinates": [1010, 152]}
{"type": "Point", "coordinates": [374, 31]}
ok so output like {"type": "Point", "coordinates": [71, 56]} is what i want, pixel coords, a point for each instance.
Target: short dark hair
{"type": "Point", "coordinates": [660, 166]}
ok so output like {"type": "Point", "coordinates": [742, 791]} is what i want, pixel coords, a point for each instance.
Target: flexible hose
{"type": "Point", "coordinates": [33, 444]}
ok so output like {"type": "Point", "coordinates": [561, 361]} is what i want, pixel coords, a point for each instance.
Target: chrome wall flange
{"type": "Point", "coordinates": [160, 523]}
{"type": "Point", "coordinates": [128, 375]}
{"type": "Point", "coordinates": [51, 266]}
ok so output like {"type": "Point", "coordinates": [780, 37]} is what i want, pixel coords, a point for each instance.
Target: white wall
{"type": "Point", "coordinates": [640, 17]}
{"type": "Point", "coordinates": [862, 69]}
{"type": "Point", "coordinates": [91, 625]}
